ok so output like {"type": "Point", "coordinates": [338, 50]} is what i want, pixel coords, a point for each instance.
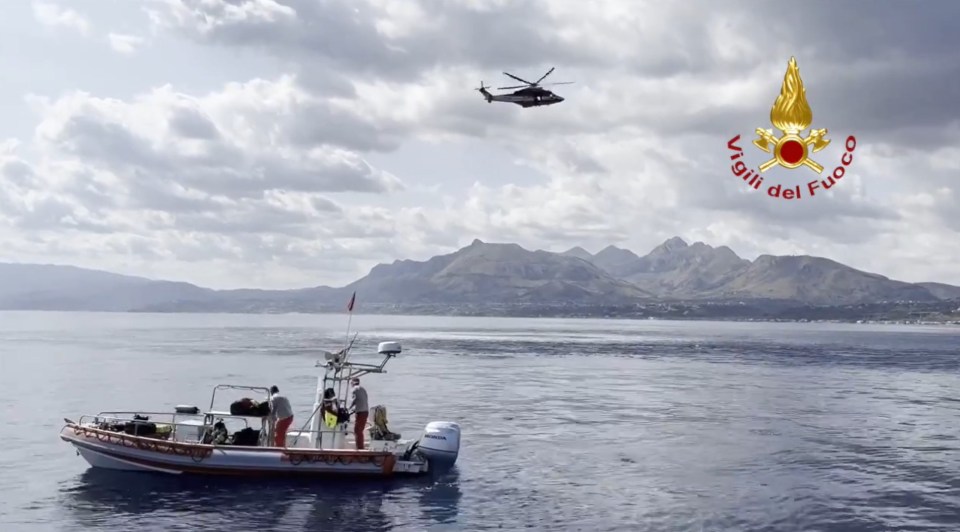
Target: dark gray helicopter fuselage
{"type": "Point", "coordinates": [531, 94]}
{"type": "Point", "coordinates": [524, 97]}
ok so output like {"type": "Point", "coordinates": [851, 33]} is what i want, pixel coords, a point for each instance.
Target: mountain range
{"type": "Point", "coordinates": [495, 275]}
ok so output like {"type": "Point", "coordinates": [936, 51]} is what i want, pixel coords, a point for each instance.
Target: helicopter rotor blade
{"type": "Point", "coordinates": [543, 76]}
{"type": "Point", "coordinates": [514, 87]}
{"type": "Point", "coordinates": [558, 83]}
{"type": "Point", "coordinates": [521, 80]}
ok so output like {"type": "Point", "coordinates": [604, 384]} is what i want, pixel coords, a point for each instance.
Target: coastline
{"type": "Point", "coordinates": [888, 313]}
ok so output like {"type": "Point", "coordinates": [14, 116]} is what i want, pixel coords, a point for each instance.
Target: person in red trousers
{"type": "Point", "coordinates": [282, 412]}
{"type": "Point", "coordinates": [361, 409]}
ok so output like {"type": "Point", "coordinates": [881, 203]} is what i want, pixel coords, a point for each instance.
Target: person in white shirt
{"type": "Point", "coordinates": [282, 412]}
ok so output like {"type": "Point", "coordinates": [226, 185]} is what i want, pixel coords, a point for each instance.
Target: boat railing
{"type": "Point", "coordinates": [213, 396]}
{"type": "Point", "coordinates": [172, 416]}
{"type": "Point", "coordinates": [177, 420]}
{"type": "Point", "coordinates": [314, 437]}
{"type": "Point", "coordinates": [116, 415]}
{"type": "Point", "coordinates": [338, 429]}
{"type": "Point", "coordinates": [317, 434]}
{"type": "Point", "coordinates": [197, 430]}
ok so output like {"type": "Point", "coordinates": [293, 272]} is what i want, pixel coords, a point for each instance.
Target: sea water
{"type": "Point", "coordinates": [589, 425]}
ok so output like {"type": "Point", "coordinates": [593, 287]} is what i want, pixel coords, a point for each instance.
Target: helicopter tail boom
{"type": "Point", "coordinates": [486, 94]}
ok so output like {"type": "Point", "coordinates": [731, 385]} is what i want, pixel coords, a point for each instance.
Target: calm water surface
{"type": "Point", "coordinates": [587, 425]}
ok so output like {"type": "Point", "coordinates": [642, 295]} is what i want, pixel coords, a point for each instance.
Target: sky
{"type": "Point", "coordinates": [292, 143]}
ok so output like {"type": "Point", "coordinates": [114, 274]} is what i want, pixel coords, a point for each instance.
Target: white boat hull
{"type": "Point", "coordinates": [111, 450]}
{"type": "Point", "coordinates": [103, 460]}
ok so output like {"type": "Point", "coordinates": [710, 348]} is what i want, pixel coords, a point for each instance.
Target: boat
{"type": "Point", "coordinates": [240, 440]}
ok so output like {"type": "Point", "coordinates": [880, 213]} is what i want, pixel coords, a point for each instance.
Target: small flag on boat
{"type": "Point", "coordinates": [353, 299]}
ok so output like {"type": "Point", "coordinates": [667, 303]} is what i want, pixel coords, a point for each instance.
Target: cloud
{"type": "Point", "coordinates": [664, 67]}
{"type": "Point", "coordinates": [53, 15]}
{"type": "Point", "coordinates": [167, 166]}
{"type": "Point", "coordinates": [233, 143]}
{"type": "Point", "coordinates": [277, 171]}
{"type": "Point", "coordinates": [125, 44]}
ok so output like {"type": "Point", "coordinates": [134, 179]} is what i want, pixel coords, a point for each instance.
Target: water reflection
{"type": "Point", "coordinates": [440, 497]}
{"type": "Point", "coordinates": [119, 500]}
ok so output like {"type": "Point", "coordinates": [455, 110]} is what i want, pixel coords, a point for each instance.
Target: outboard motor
{"type": "Point", "coordinates": [440, 444]}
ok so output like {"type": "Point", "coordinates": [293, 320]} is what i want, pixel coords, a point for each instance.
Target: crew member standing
{"type": "Point", "coordinates": [282, 412]}
{"type": "Point", "coordinates": [361, 409]}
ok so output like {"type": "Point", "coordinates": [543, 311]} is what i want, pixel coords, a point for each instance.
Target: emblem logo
{"type": "Point", "coordinates": [791, 114]}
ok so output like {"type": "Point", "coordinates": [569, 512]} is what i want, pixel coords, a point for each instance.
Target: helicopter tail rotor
{"type": "Point", "coordinates": [486, 94]}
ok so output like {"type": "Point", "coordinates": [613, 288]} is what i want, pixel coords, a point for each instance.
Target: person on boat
{"type": "Point", "coordinates": [361, 408]}
{"type": "Point", "coordinates": [282, 412]}
{"type": "Point", "coordinates": [329, 410]}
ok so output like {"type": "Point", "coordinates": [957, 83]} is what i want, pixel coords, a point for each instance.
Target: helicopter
{"type": "Point", "coordinates": [529, 95]}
